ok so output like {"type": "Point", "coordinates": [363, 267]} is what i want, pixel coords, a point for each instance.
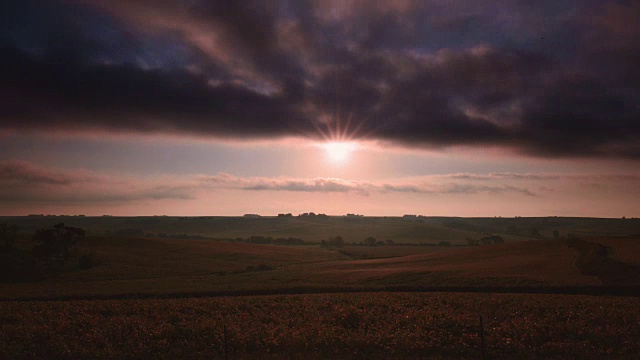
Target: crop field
{"type": "Point", "coordinates": [364, 325]}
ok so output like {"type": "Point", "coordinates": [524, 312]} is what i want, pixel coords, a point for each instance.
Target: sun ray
{"type": "Point", "coordinates": [338, 132]}
{"type": "Point", "coordinates": [347, 125]}
{"type": "Point", "coordinates": [357, 129]}
{"type": "Point", "coordinates": [324, 135]}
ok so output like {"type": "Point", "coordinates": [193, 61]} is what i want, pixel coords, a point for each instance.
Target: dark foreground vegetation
{"type": "Point", "coordinates": [361, 326]}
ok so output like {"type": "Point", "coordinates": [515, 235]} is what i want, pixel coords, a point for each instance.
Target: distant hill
{"type": "Point", "coordinates": [352, 229]}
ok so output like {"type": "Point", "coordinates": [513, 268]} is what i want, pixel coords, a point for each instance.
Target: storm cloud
{"type": "Point", "coordinates": [554, 79]}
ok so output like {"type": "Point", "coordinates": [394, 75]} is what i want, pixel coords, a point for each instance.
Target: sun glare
{"type": "Point", "coordinates": [338, 152]}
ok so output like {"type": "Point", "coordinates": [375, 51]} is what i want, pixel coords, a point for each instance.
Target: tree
{"type": "Point", "coordinates": [370, 241]}
{"type": "Point", "coordinates": [8, 234]}
{"type": "Point", "coordinates": [54, 244]}
{"type": "Point", "coordinates": [472, 242]}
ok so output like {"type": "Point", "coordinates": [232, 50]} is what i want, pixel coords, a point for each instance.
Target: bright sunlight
{"type": "Point", "coordinates": [338, 152]}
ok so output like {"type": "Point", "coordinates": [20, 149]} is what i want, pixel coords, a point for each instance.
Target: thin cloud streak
{"type": "Point", "coordinates": [426, 185]}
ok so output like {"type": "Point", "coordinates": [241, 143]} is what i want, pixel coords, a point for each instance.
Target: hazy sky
{"type": "Point", "coordinates": [434, 107]}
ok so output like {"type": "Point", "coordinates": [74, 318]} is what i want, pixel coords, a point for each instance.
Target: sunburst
{"type": "Point", "coordinates": [339, 138]}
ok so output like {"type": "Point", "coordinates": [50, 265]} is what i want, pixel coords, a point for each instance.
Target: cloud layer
{"type": "Point", "coordinates": [27, 183]}
{"type": "Point", "coordinates": [550, 78]}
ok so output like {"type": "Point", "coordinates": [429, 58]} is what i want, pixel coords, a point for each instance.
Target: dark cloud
{"type": "Point", "coordinates": [550, 79]}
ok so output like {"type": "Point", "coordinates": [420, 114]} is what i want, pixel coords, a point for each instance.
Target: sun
{"type": "Point", "coordinates": [338, 152]}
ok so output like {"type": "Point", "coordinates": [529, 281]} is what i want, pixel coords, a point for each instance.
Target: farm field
{"type": "Point", "coordinates": [146, 266]}
{"type": "Point", "coordinates": [354, 326]}
{"type": "Point", "coordinates": [150, 297]}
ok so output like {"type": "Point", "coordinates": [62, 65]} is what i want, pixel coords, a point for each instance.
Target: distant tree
{"type": "Point", "coordinates": [472, 242]}
{"type": "Point", "coordinates": [8, 234]}
{"type": "Point", "coordinates": [444, 243]}
{"type": "Point", "coordinates": [370, 241]}
{"type": "Point", "coordinates": [390, 242]}
{"type": "Point", "coordinates": [55, 243]}
{"type": "Point", "coordinates": [492, 239]}
{"type": "Point", "coordinates": [379, 243]}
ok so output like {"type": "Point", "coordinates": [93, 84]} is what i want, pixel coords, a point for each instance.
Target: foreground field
{"type": "Point", "coordinates": [365, 325]}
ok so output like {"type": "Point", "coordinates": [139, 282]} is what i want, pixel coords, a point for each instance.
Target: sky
{"type": "Point", "coordinates": [432, 107]}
